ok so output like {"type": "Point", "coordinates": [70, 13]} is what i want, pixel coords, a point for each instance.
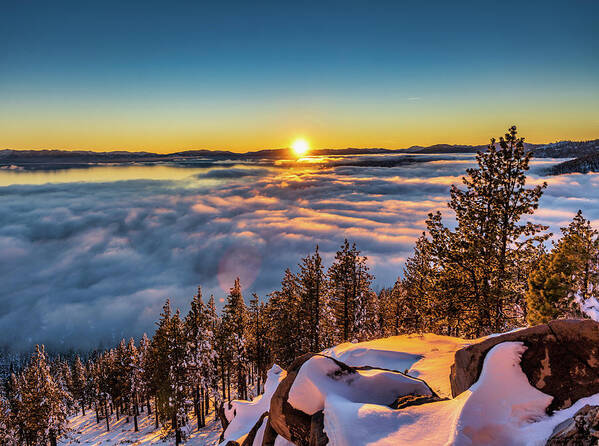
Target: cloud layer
{"type": "Point", "coordinates": [88, 263]}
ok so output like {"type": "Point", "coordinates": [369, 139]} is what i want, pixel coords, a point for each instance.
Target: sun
{"type": "Point", "coordinates": [300, 146]}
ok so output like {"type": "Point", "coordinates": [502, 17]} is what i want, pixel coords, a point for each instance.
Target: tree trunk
{"type": "Point", "coordinates": [52, 438]}
{"type": "Point", "coordinates": [135, 414]}
{"type": "Point", "coordinates": [83, 407]}
{"type": "Point", "coordinates": [149, 407]}
{"type": "Point", "coordinates": [207, 405]}
{"type": "Point", "coordinates": [177, 431]}
{"type": "Point", "coordinates": [156, 409]}
{"type": "Point", "coordinates": [106, 413]}
{"type": "Point", "coordinates": [222, 375]}
{"type": "Point", "coordinates": [201, 398]}
{"type": "Point", "coordinates": [97, 413]}
{"type": "Point", "coordinates": [228, 385]}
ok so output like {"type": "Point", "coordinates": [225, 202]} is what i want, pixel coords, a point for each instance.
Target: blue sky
{"type": "Point", "coordinates": [244, 75]}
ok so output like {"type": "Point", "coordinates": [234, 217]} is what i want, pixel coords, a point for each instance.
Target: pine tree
{"type": "Point", "coordinates": [43, 413]}
{"type": "Point", "coordinates": [258, 333]}
{"type": "Point", "coordinates": [211, 372]}
{"type": "Point", "coordinates": [145, 372]}
{"type": "Point", "coordinates": [477, 266]}
{"type": "Point", "coordinates": [566, 277]}
{"type": "Point", "coordinates": [199, 352]}
{"type": "Point", "coordinates": [133, 381]}
{"type": "Point", "coordinates": [284, 315]}
{"type": "Point", "coordinates": [160, 365]}
{"type": "Point", "coordinates": [235, 325]}
{"type": "Point", "coordinates": [78, 384]}
{"type": "Point", "coordinates": [312, 292]}
{"type": "Point", "coordinates": [8, 432]}
{"type": "Point", "coordinates": [177, 375]}
{"type": "Point", "coordinates": [350, 294]}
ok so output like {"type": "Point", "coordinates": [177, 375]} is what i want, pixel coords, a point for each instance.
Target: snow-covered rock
{"type": "Point", "coordinates": [562, 360]}
{"type": "Point", "coordinates": [243, 416]}
{"type": "Point", "coordinates": [425, 356]}
{"type": "Point", "coordinates": [580, 430]}
{"type": "Point", "coordinates": [346, 394]}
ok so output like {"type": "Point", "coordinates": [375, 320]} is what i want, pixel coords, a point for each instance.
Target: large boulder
{"type": "Point", "coordinates": [561, 360]}
{"type": "Point", "coordinates": [290, 423]}
{"type": "Point", "coordinates": [580, 430]}
{"type": "Point", "coordinates": [296, 407]}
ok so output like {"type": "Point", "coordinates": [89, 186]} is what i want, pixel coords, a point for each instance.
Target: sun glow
{"type": "Point", "coordinates": [300, 146]}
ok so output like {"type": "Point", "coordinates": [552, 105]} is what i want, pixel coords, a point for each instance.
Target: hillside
{"type": "Point", "coordinates": [567, 149]}
{"type": "Point", "coordinates": [62, 159]}
{"type": "Point", "coordinates": [524, 387]}
{"type": "Point", "coordinates": [584, 164]}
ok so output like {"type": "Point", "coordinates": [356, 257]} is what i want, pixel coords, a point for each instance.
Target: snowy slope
{"type": "Point", "coordinates": [85, 431]}
{"type": "Point", "coordinates": [501, 408]}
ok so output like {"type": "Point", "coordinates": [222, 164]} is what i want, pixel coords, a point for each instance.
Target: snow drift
{"type": "Point", "coordinates": [243, 415]}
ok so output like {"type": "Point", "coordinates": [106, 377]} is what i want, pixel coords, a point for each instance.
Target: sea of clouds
{"type": "Point", "coordinates": [86, 263]}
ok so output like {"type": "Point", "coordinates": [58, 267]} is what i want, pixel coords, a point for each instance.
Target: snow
{"type": "Point", "coordinates": [428, 357]}
{"type": "Point", "coordinates": [589, 306]}
{"type": "Point", "coordinates": [501, 408]}
{"type": "Point", "coordinates": [85, 431]}
{"type": "Point", "coordinates": [260, 433]}
{"type": "Point", "coordinates": [320, 377]}
{"type": "Point", "coordinates": [243, 415]}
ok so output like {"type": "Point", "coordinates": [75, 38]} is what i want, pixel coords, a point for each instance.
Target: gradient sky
{"type": "Point", "coordinates": [166, 76]}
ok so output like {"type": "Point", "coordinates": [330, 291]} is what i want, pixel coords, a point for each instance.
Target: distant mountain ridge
{"type": "Point", "coordinates": [53, 158]}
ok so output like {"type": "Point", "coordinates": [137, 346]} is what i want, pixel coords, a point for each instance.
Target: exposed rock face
{"type": "Point", "coordinates": [580, 430]}
{"type": "Point", "coordinates": [414, 400]}
{"type": "Point", "coordinates": [561, 360]}
{"type": "Point", "coordinates": [307, 429]}
{"type": "Point", "coordinates": [220, 413]}
{"type": "Point", "coordinates": [287, 421]}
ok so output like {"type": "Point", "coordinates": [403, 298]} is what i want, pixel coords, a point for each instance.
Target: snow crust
{"type": "Point", "coordinates": [428, 357]}
{"type": "Point", "coordinates": [243, 415]}
{"type": "Point", "coordinates": [501, 408]}
{"type": "Point", "coordinates": [320, 377]}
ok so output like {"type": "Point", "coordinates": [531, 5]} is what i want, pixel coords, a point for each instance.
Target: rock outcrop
{"type": "Point", "coordinates": [284, 419]}
{"type": "Point", "coordinates": [323, 375]}
{"type": "Point", "coordinates": [561, 360]}
{"type": "Point", "coordinates": [580, 430]}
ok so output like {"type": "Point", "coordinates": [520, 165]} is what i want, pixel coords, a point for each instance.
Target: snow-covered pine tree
{"type": "Point", "coordinates": [312, 294]}
{"type": "Point", "coordinates": [568, 276]}
{"type": "Point", "coordinates": [198, 353]}
{"type": "Point", "coordinates": [133, 381]}
{"type": "Point", "coordinates": [350, 294]}
{"type": "Point", "coordinates": [258, 334]}
{"type": "Point", "coordinates": [8, 431]}
{"type": "Point", "coordinates": [211, 372]}
{"type": "Point", "coordinates": [43, 413]}
{"type": "Point", "coordinates": [145, 372]}
{"type": "Point", "coordinates": [177, 375]}
{"type": "Point", "coordinates": [284, 315]}
{"type": "Point", "coordinates": [234, 325]}
{"type": "Point", "coordinates": [61, 372]}
{"type": "Point", "coordinates": [105, 382]}
{"type": "Point", "coordinates": [78, 383]}
{"type": "Point", "coordinates": [160, 367]}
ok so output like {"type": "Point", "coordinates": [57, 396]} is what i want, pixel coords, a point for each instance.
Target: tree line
{"type": "Point", "coordinates": [489, 272]}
